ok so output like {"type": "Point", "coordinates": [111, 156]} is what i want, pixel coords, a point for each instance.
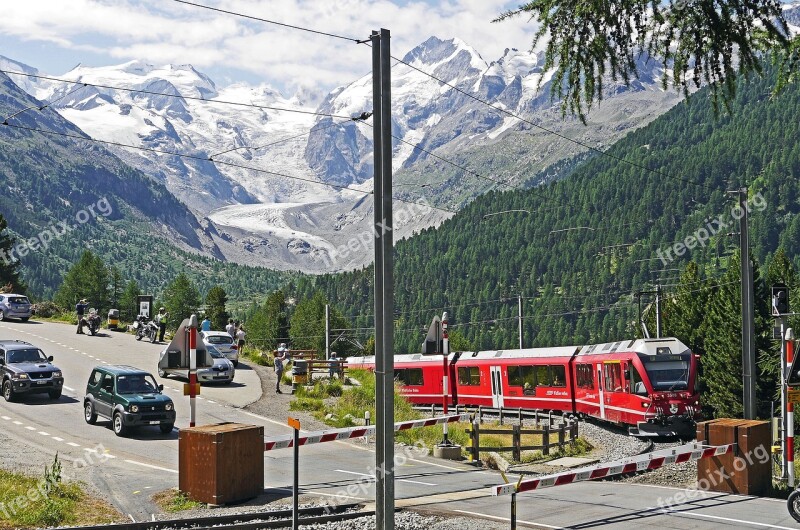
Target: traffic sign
{"type": "Point", "coordinates": [793, 395]}
{"type": "Point", "coordinates": [187, 389]}
{"type": "Point", "coordinates": [793, 378]}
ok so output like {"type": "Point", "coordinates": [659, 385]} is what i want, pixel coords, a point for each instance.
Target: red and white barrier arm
{"type": "Point", "coordinates": [358, 432]}
{"type": "Point", "coordinates": [645, 462]}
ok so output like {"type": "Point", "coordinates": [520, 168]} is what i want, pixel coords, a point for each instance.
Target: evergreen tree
{"type": "Point", "coordinates": [116, 287]}
{"type": "Point", "coordinates": [88, 279]}
{"type": "Point", "coordinates": [129, 302]}
{"type": "Point", "coordinates": [685, 311]}
{"type": "Point", "coordinates": [181, 300]}
{"type": "Point", "coordinates": [9, 267]}
{"type": "Point", "coordinates": [215, 307]}
{"type": "Point", "coordinates": [268, 323]}
{"type": "Point", "coordinates": [307, 326]}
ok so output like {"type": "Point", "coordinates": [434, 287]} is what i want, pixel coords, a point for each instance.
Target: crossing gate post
{"type": "Point", "coordinates": [475, 440]}
{"type": "Point", "coordinates": [517, 442]}
{"type": "Point", "coordinates": [295, 424]}
{"type": "Point", "coordinates": [514, 511]}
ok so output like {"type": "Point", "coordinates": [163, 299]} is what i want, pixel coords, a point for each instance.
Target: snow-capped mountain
{"type": "Point", "coordinates": [254, 163]}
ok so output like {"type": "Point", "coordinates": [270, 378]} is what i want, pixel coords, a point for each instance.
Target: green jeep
{"type": "Point", "coordinates": [129, 397]}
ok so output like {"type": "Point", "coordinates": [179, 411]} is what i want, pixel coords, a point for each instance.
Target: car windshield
{"type": "Point", "coordinates": [219, 339]}
{"type": "Point", "coordinates": [30, 355]}
{"type": "Point", "coordinates": [136, 384]}
{"type": "Point", "coordinates": [18, 300]}
{"type": "Point", "coordinates": [667, 372]}
{"type": "Point", "coordinates": [213, 352]}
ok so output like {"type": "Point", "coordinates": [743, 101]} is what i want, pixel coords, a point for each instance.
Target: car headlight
{"type": "Point", "coordinates": [20, 376]}
{"type": "Point", "coordinates": [134, 408]}
{"type": "Point", "coordinates": [57, 374]}
{"type": "Point", "coordinates": [168, 406]}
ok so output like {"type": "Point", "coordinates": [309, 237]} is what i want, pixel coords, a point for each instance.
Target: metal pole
{"type": "Point", "coordinates": [520, 320]}
{"type": "Point", "coordinates": [789, 450]}
{"type": "Point", "coordinates": [327, 331]}
{"type": "Point", "coordinates": [384, 282]}
{"type": "Point", "coordinates": [658, 311]}
{"type": "Point", "coordinates": [748, 339]}
{"type": "Point", "coordinates": [445, 387]}
{"type": "Point", "coordinates": [784, 368]}
{"type": "Point", "coordinates": [296, 481]}
{"type": "Point", "coordinates": [514, 511]}
{"type": "Point", "coordinates": [192, 369]}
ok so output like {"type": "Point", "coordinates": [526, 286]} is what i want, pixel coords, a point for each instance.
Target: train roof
{"type": "Point", "coordinates": [665, 345]}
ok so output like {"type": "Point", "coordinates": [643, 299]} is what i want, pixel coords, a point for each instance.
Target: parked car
{"type": "Point", "coordinates": [15, 306]}
{"type": "Point", "coordinates": [223, 342]}
{"type": "Point", "coordinates": [222, 371]}
{"type": "Point", "coordinates": [27, 370]}
{"type": "Point", "coordinates": [129, 397]}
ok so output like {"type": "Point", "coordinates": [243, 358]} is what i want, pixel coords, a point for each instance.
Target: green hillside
{"type": "Point", "coordinates": [579, 283]}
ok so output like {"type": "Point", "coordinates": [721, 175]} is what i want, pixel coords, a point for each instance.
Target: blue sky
{"type": "Point", "coordinates": [55, 35]}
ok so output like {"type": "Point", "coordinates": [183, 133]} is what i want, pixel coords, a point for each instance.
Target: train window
{"type": "Point", "coordinates": [542, 375]}
{"type": "Point", "coordinates": [523, 376]}
{"type": "Point", "coordinates": [409, 376]}
{"type": "Point", "coordinates": [637, 385]}
{"type": "Point", "coordinates": [558, 373]}
{"type": "Point", "coordinates": [584, 375]}
{"type": "Point", "coordinates": [515, 376]}
{"type": "Point", "coordinates": [469, 376]}
{"type": "Point", "coordinates": [612, 373]}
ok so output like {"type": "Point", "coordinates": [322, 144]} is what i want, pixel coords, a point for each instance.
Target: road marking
{"type": "Point", "coordinates": [30, 428]}
{"type": "Point", "coordinates": [728, 519]}
{"type": "Point", "coordinates": [70, 389]}
{"type": "Point", "coordinates": [506, 519]}
{"type": "Point", "coordinates": [396, 478]}
{"type": "Point", "coordinates": [151, 466]}
{"type": "Point", "coordinates": [6, 418]}
{"type": "Point", "coordinates": [56, 438]}
{"type": "Point", "coordinates": [44, 433]}
{"type": "Point", "coordinates": [17, 422]}
{"type": "Point", "coordinates": [212, 401]}
{"type": "Point", "coordinates": [73, 444]}
{"type": "Point", "coordinates": [262, 418]}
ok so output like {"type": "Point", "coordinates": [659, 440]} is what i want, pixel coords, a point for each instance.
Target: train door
{"type": "Point", "coordinates": [497, 386]}
{"type": "Point", "coordinates": [614, 387]}
{"type": "Point", "coordinates": [601, 391]}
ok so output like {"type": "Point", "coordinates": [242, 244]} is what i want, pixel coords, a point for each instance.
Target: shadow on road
{"type": "Point", "coordinates": [37, 400]}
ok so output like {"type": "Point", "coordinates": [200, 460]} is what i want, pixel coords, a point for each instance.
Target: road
{"type": "Point", "coordinates": [146, 461]}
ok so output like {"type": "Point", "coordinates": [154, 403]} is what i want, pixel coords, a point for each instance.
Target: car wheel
{"type": "Point", "coordinates": [8, 390]}
{"type": "Point", "coordinates": [89, 414]}
{"type": "Point", "coordinates": [24, 319]}
{"type": "Point", "coordinates": [138, 336]}
{"type": "Point", "coordinates": [235, 363]}
{"type": "Point", "coordinates": [54, 394]}
{"type": "Point", "coordinates": [2, 315]}
{"type": "Point", "coordinates": [118, 425]}
{"type": "Point", "coordinates": [153, 338]}
{"type": "Point", "coordinates": [162, 373]}
{"type": "Point", "coordinates": [166, 428]}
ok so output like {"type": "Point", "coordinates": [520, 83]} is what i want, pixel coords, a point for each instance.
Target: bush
{"type": "Point", "coordinates": [49, 310]}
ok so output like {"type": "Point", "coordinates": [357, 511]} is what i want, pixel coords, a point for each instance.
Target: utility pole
{"type": "Point", "coordinates": [384, 281]}
{"type": "Point", "coordinates": [327, 331]}
{"type": "Point", "coordinates": [658, 311]}
{"type": "Point", "coordinates": [520, 320]}
{"type": "Point", "coordinates": [748, 337]}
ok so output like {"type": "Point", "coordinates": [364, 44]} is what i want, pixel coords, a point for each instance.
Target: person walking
{"type": "Point", "coordinates": [240, 335]}
{"type": "Point", "coordinates": [205, 325]}
{"type": "Point", "coordinates": [231, 329]}
{"type": "Point", "coordinates": [80, 310]}
{"type": "Point", "coordinates": [161, 320]}
{"type": "Point", "coordinates": [280, 358]}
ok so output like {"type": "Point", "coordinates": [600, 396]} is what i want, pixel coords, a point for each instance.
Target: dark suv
{"type": "Point", "coordinates": [27, 370]}
{"type": "Point", "coordinates": [129, 397]}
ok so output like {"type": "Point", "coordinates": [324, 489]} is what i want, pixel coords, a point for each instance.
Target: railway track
{"type": "Point", "coordinates": [248, 521]}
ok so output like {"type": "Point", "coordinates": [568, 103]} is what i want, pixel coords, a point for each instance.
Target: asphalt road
{"type": "Point", "coordinates": [146, 461]}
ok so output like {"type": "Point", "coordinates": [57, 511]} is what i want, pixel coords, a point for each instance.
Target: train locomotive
{"type": "Point", "coordinates": [649, 385]}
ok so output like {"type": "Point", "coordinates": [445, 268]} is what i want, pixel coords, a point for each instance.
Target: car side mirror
{"type": "Point", "coordinates": [160, 388]}
{"type": "Point", "coordinates": [50, 359]}
{"type": "Point", "coordinates": [627, 374]}
{"type": "Point", "coordinates": [2, 362]}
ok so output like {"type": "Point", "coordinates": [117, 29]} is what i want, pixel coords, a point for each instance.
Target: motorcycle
{"type": "Point", "coordinates": [92, 321]}
{"type": "Point", "coordinates": [793, 504]}
{"type": "Point", "coordinates": [145, 328]}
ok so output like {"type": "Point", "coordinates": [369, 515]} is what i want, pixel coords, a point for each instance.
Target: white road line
{"type": "Point", "coordinates": [211, 401]}
{"type": "Point", "coordinates": [5, 417]}
{"type": "Point", "coordinates": [17, 422]}
{"type": "Point", "coordinates": [506, 519]}
{"type": "Point", "coordinates": [56, 438]}
{"type": "Point", "coordinates": [44, 433]}
{"type": "Point", "coordinates": [70, 389]}
{"type": "Point", "coordinates": [151, 466]}
{"type": "Point", "coordinates": [728, 519]}
{"type": "Point", "coordinates": [262, 418]}
{"type": "Point", "coordinates": [73, 444]}
{"type": "Point", "coordinates": [30, 428]}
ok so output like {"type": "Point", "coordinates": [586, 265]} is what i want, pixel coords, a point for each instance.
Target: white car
{"type": "Point", "coordinates": [222, 371]}
{"type": "Point", "coordinates": [223, 342]}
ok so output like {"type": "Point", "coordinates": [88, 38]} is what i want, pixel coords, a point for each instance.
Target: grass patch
{"type": "Point", "coordinates": [38, 502]}
{"type": "Point", "coordinates": [308, 404]}
{"type": "Point", "coordinates": [256, 356]}
{"type": "Point", "coordinates": [174, 500]}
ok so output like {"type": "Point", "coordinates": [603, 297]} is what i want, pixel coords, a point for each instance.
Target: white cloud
{"type": "Point", "coordinates": [162, 31]}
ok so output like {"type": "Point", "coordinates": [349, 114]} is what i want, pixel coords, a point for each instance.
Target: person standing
{"type": "Point", "coordinates": [240, 335]}
{"type": "Point", "coordinates": [231, 329]}
{"type": "Point", "coordinates": [205, 325]}
{"type": "Point", "coordinates": [80, 309]}
{"type": "Point", "coordinates": [280, 358]}
{"type": "Point", "coordinates": [161, 320]}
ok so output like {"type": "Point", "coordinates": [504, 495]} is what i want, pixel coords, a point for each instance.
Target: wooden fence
{"type": "Point", "coordinates": [551, 437]}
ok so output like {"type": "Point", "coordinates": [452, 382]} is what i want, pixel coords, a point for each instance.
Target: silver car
{"type": "Point", "coordinates": [222, 371]}
{"type": "Point", "coordinates": [15, 306]}
{"type": "Point", "coordinates": [222, 341]}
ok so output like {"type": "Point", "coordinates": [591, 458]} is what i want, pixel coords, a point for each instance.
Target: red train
{"type": "Point", "coordinates": [648, 384]}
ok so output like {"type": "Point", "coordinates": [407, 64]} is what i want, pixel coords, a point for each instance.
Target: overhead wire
{"type": "Point", "coordinates": [42, 107]}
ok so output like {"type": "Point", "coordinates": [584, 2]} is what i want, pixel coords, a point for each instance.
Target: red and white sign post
{"type": "Point", "coordinates": [192, 330]}
{"type": "Point", "coordinates": [790, 411]}
{"type": "Point", "coordinates": [445, 393]}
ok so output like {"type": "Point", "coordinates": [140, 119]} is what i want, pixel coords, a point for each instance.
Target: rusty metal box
{"type": "Point", "coordinates": [748, 470]}
{"type": "Point", "coordinates": [221, 463]}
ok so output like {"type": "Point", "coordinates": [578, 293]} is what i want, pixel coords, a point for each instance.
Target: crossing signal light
{"type": "Point", "coordinates": [780, 300]}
